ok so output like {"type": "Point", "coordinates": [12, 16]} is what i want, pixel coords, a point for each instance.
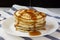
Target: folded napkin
{"type": "Point", "coordinates": [8, 13]}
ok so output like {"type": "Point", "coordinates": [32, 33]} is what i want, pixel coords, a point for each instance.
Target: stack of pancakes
{"type": "Point", "coordinates": [24, 20]}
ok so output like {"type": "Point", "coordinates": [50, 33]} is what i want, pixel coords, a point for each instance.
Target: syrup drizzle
{"type": "Point", "coordinates": [33, 17]}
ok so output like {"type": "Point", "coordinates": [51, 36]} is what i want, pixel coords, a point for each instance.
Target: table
{"type": "Point", "coordinates": [55, 10]}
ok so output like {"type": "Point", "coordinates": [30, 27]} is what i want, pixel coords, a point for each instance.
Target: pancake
{"type": "Point", "coordinates": [27, 20]}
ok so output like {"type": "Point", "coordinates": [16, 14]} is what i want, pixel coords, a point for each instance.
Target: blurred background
{"type": "Point", "coordinates": [38, 3]}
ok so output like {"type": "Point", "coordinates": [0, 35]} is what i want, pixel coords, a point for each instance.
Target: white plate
{"type": "Point", "coordinates": [51, 26]}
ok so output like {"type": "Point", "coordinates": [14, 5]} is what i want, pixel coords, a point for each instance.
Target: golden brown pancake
{"type": "Point", "coordinates": [27, 20]}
